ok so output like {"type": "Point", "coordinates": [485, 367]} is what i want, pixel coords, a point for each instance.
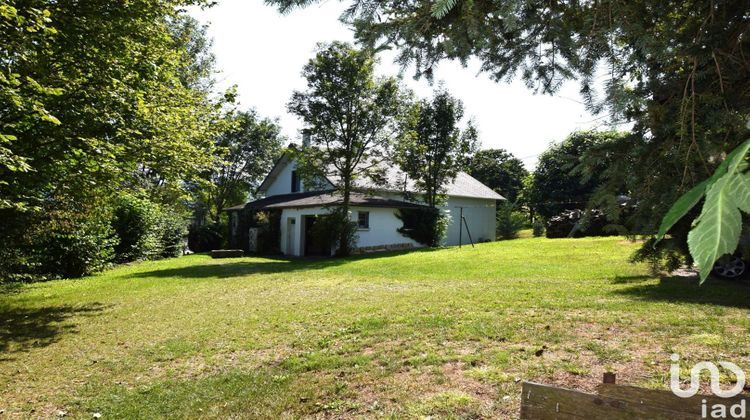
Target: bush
{"type": "Point", "coordinates": [173, 231]}
{"type": "Point", "coordinates": [77, 244]}
{"type": "Point", "coordinates": [538, 228]}
{"type": "Point", "coordinates": [509, 221]}
{"type": "Point", "coordinates": [60, 240]}
{"type": "Point", "coordinates": [426, 225]}
{"type": "Point", "coordinates": [135, 222]}
{"type": "Point", "coordinates": [206, 238]}
{"type": "Point", "coordinates": [269, 231]}
{"type": "Point", "coordinates": [329, 229]}
{"type": "Point", "coordinates": [147, 230]}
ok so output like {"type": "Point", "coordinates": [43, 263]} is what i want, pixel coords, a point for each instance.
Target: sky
{"type": "Point", "coordinates": [263, 52]}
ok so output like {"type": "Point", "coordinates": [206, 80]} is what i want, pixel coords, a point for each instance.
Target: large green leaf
{"type": "Point", "coordinates": [718, 227]}
{"type": "Point", "coordinates": [741, 190]}
{"type": "Point", "coordinates": [680, 208]}
{"type": "Point", "coordinates": [736, 158]}
{"type": "Point", "coordinates": [732, 164]}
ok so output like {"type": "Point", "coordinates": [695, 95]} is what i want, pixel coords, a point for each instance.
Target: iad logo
{"type": "Point", "coordinates": [716, 410]}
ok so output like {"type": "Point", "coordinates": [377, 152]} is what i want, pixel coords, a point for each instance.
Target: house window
{"type": "Point", "coordinates": [295, 182]}
{"type": "Point", "coordinates": [363, 220]}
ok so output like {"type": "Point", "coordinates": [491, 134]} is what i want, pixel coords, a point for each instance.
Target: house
{"type": "Point", "coordinates": [376, 213]}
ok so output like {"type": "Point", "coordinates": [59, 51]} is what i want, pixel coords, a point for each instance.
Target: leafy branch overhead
{"type": "Point", "coordinates": [443, 7]}
{"type": "Point", "coordinates": [716, 231]}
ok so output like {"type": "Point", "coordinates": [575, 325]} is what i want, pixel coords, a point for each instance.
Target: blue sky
{"type": "Point", "coordinates": [263, 52]}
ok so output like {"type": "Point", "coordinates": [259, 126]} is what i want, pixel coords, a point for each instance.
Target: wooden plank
{"type": "Point", "coordinates": [666, 400]}
{"type": "Point", "coordinates": [544, 402]}
{"type": "Point", "coordinates": [227, 253]}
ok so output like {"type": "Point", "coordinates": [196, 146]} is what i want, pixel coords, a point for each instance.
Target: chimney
{"type": "Point", "coordinates": [305, 139]}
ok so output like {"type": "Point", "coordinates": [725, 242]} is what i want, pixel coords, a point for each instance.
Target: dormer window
{"type": "Point", "coordinates": [295, 182]}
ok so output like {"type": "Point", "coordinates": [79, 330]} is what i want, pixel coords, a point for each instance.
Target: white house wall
{"type": "Point", "coordinates": [382, 231]}
{"type": "Point", "coordinates": [479, 214]}
{"type": "Point", "coordinates": [383, 228]}
{"type": "Point", "coordinates": [282, 183]}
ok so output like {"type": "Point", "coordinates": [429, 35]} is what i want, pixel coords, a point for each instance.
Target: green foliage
{"type": "Point", "coordinates": [332, 228]}
{"type": "Point", "coordinates": [442, 7]}
{"type": "Point", "coordinates": [499, 170]}
{"type": "Point", "coordinates": [97, 99]}
{"type": "Point", "coordinates": [663, 257]}
{"type": "Point", "coordinates": [560, 182]}
{"type": "Point", "coordinates": [173, 229]}
{"type": "Point", "coordinates": [76, 242]}
{"type": "Point", "coordinates": [432, 148]}
{"type": "Point", "coordinates": [428, 226]}
{"type": "Point", "coordinates": [65, 239]}
{"type": "Point", "coordinates": [537, 228]}
{"type": "Point", "coordinates": [341, 89]}
{"type": "Point", "coordinates": [269, 234]}
{"type": "Point", "coordinates": [205, 238]}
{"type": "Point", "coordinates": [509, 221]}
{"type": "Point", "coordinates": [716, 231]}
{"type": "Point", "coordinates": [147, 230]}
{"type": "Point", "coordinates": [245, 152]}
{"type": "Point", "coordinates": [135, 221]}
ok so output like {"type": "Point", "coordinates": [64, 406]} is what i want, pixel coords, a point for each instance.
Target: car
{"type": "Point", "coordinates": [730, 267]}
{"type": "Point", "coordinates": [736, 265]}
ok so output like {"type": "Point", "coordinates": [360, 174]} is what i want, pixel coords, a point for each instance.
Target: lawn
{"type": "Point", "coordinates": [447, 333]}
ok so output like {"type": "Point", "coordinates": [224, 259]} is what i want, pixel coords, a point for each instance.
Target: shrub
{"type": "Point", "coordinates": [206, 237]}
{"type": "Point", "coordinates": [62, 239]}
{"type": "Point", "coordinates": [509, 221]}
{"type": "Point", "coordinates": [77, 244]}
{"type": "Point", "coordinates": [173, 231]}
{"type": "Point", "coordinates": [425, 225]}
{"type": "Point", "coordinates": [537, 227]}
{"type": "Point", "coordinates": [135, 222]}
{"type": "Point", "coordinates": [329, 229]}
{"type": "Point", "coordinates": [269, 231]}
{"type": "Point", "coordinates": [147, 230]}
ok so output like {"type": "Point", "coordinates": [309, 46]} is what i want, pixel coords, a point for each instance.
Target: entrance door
{"type": "Point", "coordinates": [290, 235]}
{"type": "Point", "coordinates": [314, 247]}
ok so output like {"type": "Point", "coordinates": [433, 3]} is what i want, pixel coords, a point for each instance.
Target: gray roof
{"type": "Point", "coordinates": [464, 185]}
{"type": "Point", "coordinates": [321, 198]}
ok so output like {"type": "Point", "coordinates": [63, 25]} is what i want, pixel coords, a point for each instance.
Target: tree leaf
{"type": "Point", "coordinates": [737, 156]}
{"type": "Point", "coordinates": [718, 227]}
{"type": "Point", "coordinates": [442, 7]}
{"type": "Point", "coordinates": [741, 190]}
{"type": "Point", "coordinates": [683, 205]}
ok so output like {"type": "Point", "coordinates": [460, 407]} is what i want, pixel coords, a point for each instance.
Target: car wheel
{"type": "Point", "coordinates": [730, 268]}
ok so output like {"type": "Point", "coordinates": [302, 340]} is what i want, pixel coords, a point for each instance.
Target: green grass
{"type": "Point", "coordinates": [446, 333]}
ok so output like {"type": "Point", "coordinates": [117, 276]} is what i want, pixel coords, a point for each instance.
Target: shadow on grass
{"type": "Point", "coordinates": [631, 279]}
{"type": "Point", "coordinates": [687, 290]}
{"type": "Point", "coordinates": [264, 265]}
{"type": "Point", "coordinates": [22, 328]}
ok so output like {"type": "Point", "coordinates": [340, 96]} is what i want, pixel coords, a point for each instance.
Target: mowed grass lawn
{"type": "Point", "coordinates": [446, 333]}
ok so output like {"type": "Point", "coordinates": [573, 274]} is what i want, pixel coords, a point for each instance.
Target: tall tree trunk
{"type": "Point", "coordinates": [344, 245]}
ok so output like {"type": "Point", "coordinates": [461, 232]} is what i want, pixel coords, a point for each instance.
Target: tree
{"type": "Point", "coordinates": [96, 98]}
{"type": "Point", "coordinates": [499, 170]}
{"type": "Point", "coordinates": [247, 151]}
{"type": "Point", "coordinates": [349, 116]}
{"type": "Point", "coordinates": [559, 183]}
{"type": "Point", "coordinates": [676, 71]}
{"type": "Point", "coordinates": [432, 148]}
